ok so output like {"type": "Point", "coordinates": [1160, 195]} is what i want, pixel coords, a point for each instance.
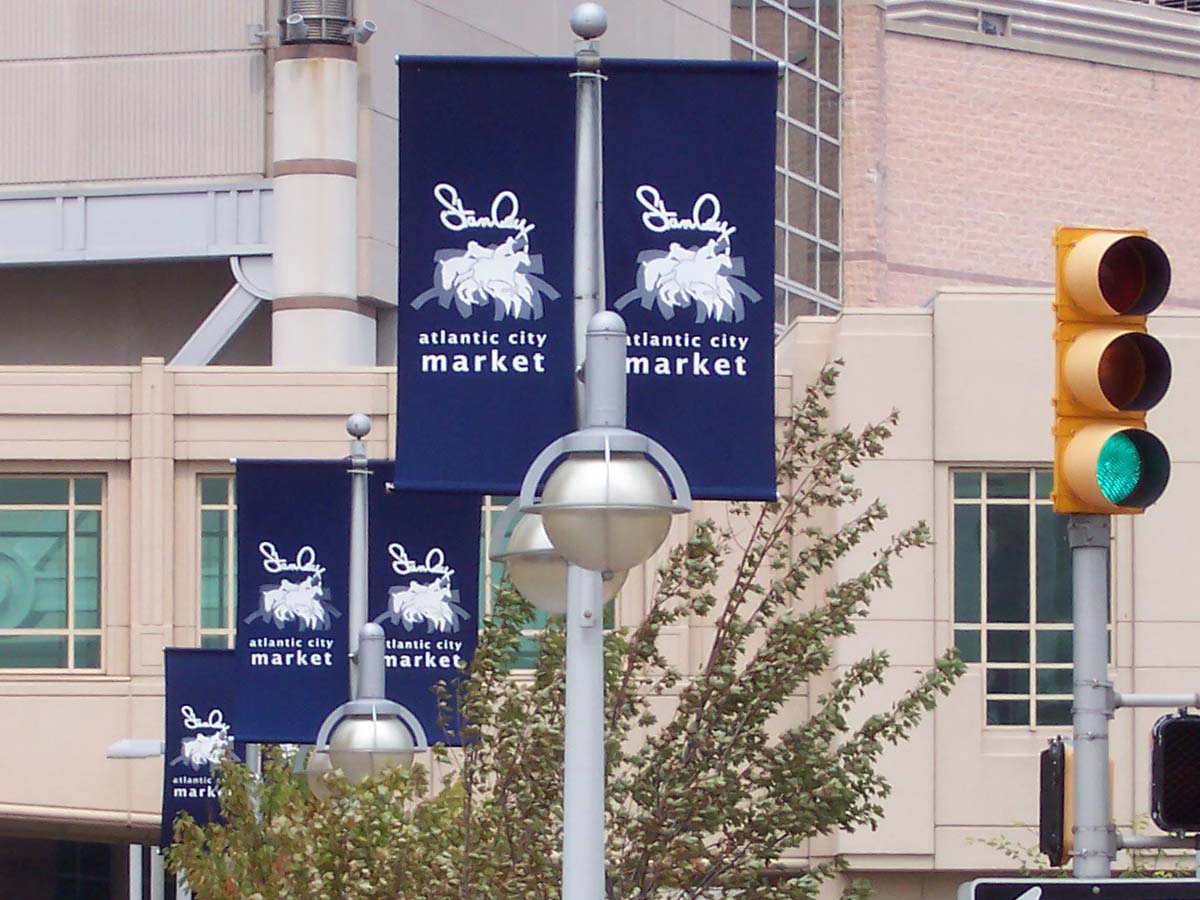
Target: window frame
{"type": "Point", "coordinates": [825, 35]}
{"type": "Point", "coordinates": [103, 508]}
{"type": "Point", "coordinates": [229, 508]}
{"type": "Point", "coordinates": [1037, 496]}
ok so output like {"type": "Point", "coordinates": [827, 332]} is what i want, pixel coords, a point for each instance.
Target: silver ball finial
{"type": "Point", "coordinates": [589, 21]}
{"type": "Point", "coordinates": [359, 425]}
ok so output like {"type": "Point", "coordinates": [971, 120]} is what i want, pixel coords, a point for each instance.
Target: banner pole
{"type": "Point", "coordinates": [359, 426]}
{"type": "Point", "coordinates": [583, 752]}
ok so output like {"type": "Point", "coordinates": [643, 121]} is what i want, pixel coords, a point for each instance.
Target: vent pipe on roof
{"type": "Point", "coordinates": [317, 318]}
{"type": "Point", "coordinates": [317, 22]}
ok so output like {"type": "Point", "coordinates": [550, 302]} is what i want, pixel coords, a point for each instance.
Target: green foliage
{"type": "Point", "coordinates": [1030, 862]}
{"type": "Point", "coordinates": [384, 838]}
{"type": "Point", "coordinates": [710, 783]}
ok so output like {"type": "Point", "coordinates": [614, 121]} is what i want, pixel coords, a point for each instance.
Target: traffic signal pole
{"type": "Point", "coordinates": [1095, 701]}
{"type": "Point", "coordinates": [1095, 836]}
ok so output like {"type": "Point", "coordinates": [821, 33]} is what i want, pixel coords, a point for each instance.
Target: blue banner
{"type": "Point", "coordinates": [424, 592]}
{"type": "Point", "coordinates": [293, 533]}
{"type": "Point", "coordinates": [485, 352]}
{"type": "Point", "coordinates": [689, 243]}
{"type": "Point", "coordinates": [485, 344]}
{"type": "Point", "coordinates": [293, 576]}
{"type": "Point", "coordinates": [199, 731]}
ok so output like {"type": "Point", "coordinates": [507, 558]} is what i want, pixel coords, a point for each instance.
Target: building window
{"type": "Point", "coordinates": [492, 573]}
{"type": "Point", "coordinates": [1012, 594]}
{"type": "Point", "coordinates": [83, 871]}
{"type": "Point", "coordinates": [804, 38]}
{"type": "Point", "coordinates": [218, 561]}
{"type": "Point", "coordinates": [50, 584]}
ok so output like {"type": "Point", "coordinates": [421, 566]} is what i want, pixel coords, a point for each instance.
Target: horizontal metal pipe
{"type": "Point", "coordinates": [1156, 842]}
{"type": "Point", "coordinates": [1170, 701]}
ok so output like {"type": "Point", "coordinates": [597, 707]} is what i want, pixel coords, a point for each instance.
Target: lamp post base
{"type": "Point", "coordinates": [583, 762]}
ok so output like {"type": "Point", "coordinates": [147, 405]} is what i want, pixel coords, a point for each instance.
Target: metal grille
{"type": "Point", "coordinates": [1175, 774]}
{"type": "Point", "coordinates": [1192, 6]}
{"type": "Point", "coordinates": [328, 21]}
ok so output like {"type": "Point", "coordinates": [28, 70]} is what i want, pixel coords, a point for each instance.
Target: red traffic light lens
{"type": "Point", "coordinates": [1134, 276]}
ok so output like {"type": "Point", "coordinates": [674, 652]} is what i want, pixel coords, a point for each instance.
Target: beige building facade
{"type": "Point", "coordinates": [155, 216]}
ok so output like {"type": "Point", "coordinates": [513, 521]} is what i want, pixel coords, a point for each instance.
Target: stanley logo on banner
{"type": "Point", "coordinates": [485, 353]}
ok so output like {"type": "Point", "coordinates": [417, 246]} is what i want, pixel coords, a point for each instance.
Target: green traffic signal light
{"type": "Point", "coordinates": [1118, 468]}
{"type": "Point", "coordinates": [1132, 466]}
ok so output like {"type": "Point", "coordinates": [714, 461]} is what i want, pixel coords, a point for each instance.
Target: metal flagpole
{"type": "Point", "coordinates": [1094, 700]}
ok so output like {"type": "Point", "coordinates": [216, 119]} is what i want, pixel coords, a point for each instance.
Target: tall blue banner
{"type": "Point", "coordinates": [292, 648]}
{"type": "Point", "coordinates": [424, 592]}
{"type": "Point", "coordinates": [484, 366]}
{"type": "Point", "coordinates": [200, 698]}
{"type": "Point", "coordinates": [485, 351]}
{"type": "Point", "coordinates": [689, 243]}
{"type": "Point", "coordinates": [293, 576]}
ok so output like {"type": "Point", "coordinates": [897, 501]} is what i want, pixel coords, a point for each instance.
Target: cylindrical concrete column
{"type": "Point", "coordinates": [317, 320]}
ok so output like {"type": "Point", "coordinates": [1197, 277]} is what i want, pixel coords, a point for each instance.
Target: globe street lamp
{"type": "Point", "coordinates": [606, 505]}
{"type": "Point", "coordinates": [537, 570]}
{"type": "Point", "coordinates": [370, 733]}
{"type": "Point", "coordinates": [605, 508]}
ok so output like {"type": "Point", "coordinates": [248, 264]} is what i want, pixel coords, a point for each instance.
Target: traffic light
{"type": "Point", "coordinates": [1056, 806]}
{"type": "Point", "coordinates": [1108, 371]}
{"type": "Point", "coordinates": [1175, 773]}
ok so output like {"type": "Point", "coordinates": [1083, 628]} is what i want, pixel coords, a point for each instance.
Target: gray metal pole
{"type": "Point", "coordinates": [372, 672]}
{"type": "Point", "coordinates": [587, 260]}
{"type": "Point", "coordinates": [605, 390]}
{"type": "Point", "coordinates": [1094, 833]}
{"type": "Point", "coordinates": [583, 788]}
{"type": "Point", "coordinates": [359, 426]}
{"type": "Point", "coordinates": [583, 757]}
{"type": "Point", "coordinates": [158, 880]}
{"type": "Point", "coordinates": [135, 872]}
{"type": "Point", "coordinates": [583, 753]}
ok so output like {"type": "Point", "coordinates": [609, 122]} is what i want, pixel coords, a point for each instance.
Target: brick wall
{"type": "Point", "coordinates": [960, 160]}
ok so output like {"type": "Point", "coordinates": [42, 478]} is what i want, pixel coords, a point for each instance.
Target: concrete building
{"type": "Point", "coordinates": [198, 261]}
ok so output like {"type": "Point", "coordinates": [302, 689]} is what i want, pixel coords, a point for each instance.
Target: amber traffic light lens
{"type": "Point", "coordinates": [1134, 372]}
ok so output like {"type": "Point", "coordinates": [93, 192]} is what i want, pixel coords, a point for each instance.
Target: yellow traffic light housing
{"type": "Point", "coordinates": [1108, 371]}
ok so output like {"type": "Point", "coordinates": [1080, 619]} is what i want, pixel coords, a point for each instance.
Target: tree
{"type": "Point", "coordinates": [706, 790]}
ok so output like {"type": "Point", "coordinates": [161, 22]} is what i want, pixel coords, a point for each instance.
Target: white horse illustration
{"type": "Point", "coordinates": [483, 274]}
{"type": "Point", "coordinates": [290, 601]}
{"type": "Point", "coordinates": [698, 274]}
{"type": "Point", "coordinates": [434, 604]}
{"type": "Point", "coordinates": [202, 750]}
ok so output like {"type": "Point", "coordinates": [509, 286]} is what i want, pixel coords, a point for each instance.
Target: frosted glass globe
{"type": "Point", "coordinates": [539, 571]}
{"type": "Point", "coordinates": [362, 746]}
{"type": "Point", "coordinates": [318, 766]}
{"type": "Point", "coordinates": [606, 515]}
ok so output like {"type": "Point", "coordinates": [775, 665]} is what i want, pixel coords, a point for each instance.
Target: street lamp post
{"type": "Point", "coordinates": [583, 752]}
{"type": "Point", "coordinates": [604, 509]}
{"type": "Point", "coordinates": [369, 732]}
